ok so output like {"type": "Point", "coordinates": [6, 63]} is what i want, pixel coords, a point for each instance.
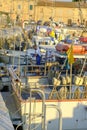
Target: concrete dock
{"type": "Point", "coordinates": [5, 121]}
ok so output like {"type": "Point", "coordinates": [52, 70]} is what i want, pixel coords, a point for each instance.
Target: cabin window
{"type": "Point", "coordinates": [31, 7]}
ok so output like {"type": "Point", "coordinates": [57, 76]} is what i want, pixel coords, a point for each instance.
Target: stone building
{"type": "Point", "coordinates": [20, 10]}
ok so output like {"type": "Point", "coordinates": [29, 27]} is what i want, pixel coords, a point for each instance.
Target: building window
{"type": "Point", "coordinates": [19, 6]}
{"type": "Point", "coordinates": [31, 7]}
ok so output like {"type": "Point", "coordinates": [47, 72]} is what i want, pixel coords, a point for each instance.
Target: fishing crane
{"type": "Point", "coordinates": [81, 14]}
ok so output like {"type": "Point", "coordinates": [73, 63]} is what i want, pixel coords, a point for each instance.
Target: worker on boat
{"type": "Point", "coordinates": [37, 54]}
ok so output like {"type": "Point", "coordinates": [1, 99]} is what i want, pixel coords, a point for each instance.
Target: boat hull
{"type": "Point", "coordinates": [83, 39]}
{"type": "Point", "coordinates": [77, 49]}
{"type": "Point", "coordinates": [74, 114]}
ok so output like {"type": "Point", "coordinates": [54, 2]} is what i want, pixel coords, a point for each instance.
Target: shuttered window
{"type": "Point", "coordinates": [19, 6]}
{"type": "Point", "coordinates": [31, 7]}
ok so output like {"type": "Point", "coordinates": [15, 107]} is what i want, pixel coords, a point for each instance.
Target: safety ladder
{"type": "Point", "coordinates": [30, 115]}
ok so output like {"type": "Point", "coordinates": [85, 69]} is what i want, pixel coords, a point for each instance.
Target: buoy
{"type": "Point", "coordinates": [78, 80]}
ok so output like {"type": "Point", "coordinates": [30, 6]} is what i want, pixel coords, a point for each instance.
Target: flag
{"type": "Point", "coordinates": [70, 55]}
{"type": "Point", "coordinates": [52, 34]}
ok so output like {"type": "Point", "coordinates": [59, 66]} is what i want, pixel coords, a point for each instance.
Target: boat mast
{"type": "Point", "coordinates": [81, 14]}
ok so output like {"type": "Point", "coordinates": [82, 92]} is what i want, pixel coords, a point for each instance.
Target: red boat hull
{"type": "Point", "coordinates": [83, 39]}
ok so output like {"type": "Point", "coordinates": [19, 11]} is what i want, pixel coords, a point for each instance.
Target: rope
{"type": "Point", "coordinates": [62, 67]}
{"type": "Point", "coordinates": [83, 66]}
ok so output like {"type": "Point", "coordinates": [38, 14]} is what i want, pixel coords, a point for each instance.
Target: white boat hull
{"type": "Point", "coordinates": [74, 114]}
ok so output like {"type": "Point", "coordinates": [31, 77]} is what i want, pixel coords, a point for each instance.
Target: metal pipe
{"type": "Point", "coordinates": [30, 112]}
{"type": "Point", "coordinates": [60, 114]}
{"type": "Point", "coordinates": [43, 106]}
{"type": "Point", "coordinates": [19, 125]}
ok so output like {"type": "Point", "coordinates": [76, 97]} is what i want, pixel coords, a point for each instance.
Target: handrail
{"type": "Point", "coordinates": [43, 107]}
{"type": "Point", "coordinates": [33, 68]}
{"type": "Point", "coordinates": [60, 114]}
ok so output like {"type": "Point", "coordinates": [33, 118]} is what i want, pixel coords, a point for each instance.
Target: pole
{"type": "Point", "coordinates": [71, 80]}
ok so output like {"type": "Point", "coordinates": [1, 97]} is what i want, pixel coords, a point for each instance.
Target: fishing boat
{"type": "Point", "coordinates": [48, 98]}
{"type": "Point", "coordinates": [83, 39]}
{"type": "Point", "coordinates": [4, 77]}
{"type": "Point", "coordinates": [77, 48]}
